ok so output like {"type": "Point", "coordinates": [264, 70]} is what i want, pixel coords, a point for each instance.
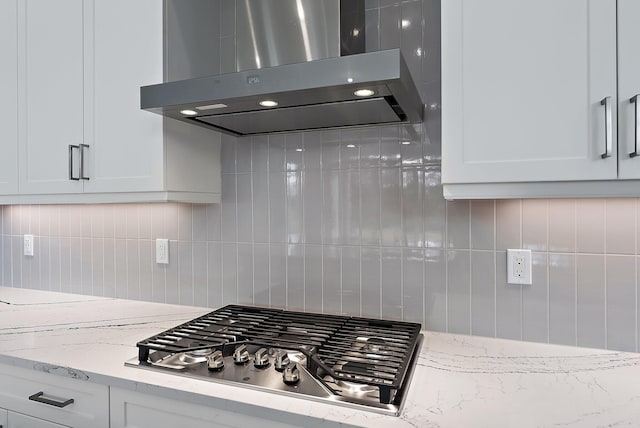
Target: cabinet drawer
{"type": "Point", "coordinates": [90, 406]}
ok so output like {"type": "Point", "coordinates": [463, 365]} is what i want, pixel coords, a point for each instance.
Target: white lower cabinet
{"type": "Point", "coordinates": [136, 410]}
{"type": "Point", "coordinates": [38, 399]}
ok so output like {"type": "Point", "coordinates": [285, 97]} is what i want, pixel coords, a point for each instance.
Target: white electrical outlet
{"type": "Point", "coordinates": [162, 251]}
{"type": "Point", "coordinates": [519, 267]}
{"type": "Point", "coordinates": [28, 245]}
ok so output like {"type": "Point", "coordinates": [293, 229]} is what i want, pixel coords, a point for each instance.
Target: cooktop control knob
{"type": "Point", "coordinates": [241, 355]}
{"type": "Point", "coordinates": [291, 374]}
{"type": "Point", "coordinates": [282, 360]}
{"type": "Point", "coordinates": [261, 358]}
{"type": "Point", "coordinates": [215, 362]}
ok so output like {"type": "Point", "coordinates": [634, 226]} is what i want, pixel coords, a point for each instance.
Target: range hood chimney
{"type": "Point", "coordinates": [300, 65]}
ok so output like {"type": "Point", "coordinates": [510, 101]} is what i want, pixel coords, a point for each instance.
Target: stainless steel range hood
{"type": "Point", "coordinates": [354, 89]}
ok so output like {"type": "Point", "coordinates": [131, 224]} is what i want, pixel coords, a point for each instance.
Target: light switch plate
{"type": "Point", "coordinates": [28, 245]}
{"type": "Point", "coordinates": [162, 251]}
{"type": "Point", "coordinates": [519, 267]}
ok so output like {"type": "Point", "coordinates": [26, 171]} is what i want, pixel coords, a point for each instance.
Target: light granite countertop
{"type": "Point", "coordinates": [460, 381]}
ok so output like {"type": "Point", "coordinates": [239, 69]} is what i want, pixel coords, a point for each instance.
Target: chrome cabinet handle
{"type": "Point", "coordinates": [636, 127]}
{"type": "Point", "coordinates": [608, 127]}
{"type": "Point", "coordinates": [71, 147]}
{"type": "Point", "coordinates": [81, 148]}
{"type": "Point", "coordinates": [38, 396]}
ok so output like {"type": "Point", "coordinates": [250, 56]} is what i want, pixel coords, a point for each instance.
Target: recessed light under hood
{"type": "Point", "coordinates": [353, 90]}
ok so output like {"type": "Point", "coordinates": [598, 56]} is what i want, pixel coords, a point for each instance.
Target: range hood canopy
{"type": "Point", "coordinates": [350, 90]}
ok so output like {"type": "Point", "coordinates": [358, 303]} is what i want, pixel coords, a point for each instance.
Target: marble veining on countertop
{"type": "Point", "coordinates": [459, 381]}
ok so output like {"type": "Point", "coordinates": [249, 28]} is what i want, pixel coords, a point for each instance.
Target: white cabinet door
{"type": "Point", "coordinates": [9, 97]}
{"type": "Point", "coordinates": [126, 143]}
{"type": "Point", "coordinates": [628, 87]}
{"type": "Point", "coordinates": [51, 89]}
{"type": "Point", "coordinates": [522, 87]}
{"type": "Point", "coordinates": [17, 420]}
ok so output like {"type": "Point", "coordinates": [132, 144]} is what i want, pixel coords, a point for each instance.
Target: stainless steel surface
{"type": "Point", "coordinates": [261, 358]}
{"type": "Point", "coordinates": [215, 361]}
{"type": "Point", "coordinates": [276, 32]}
{"type": "Point", "coordinates": [608, 127]}
{"type": "Point", "coordinates": [241, 355]}
{"type": "Point", "coordinates": [291, 374]}
{"type": "Point", "coordinates": [360, 112]}
{"type": "Point", "coordinates": [81, 149]}
{"type": "Point", "coordinates": [71, 147]}
{"type": "Point", "coordinates": [327, 81]}
{"type": "Point", "coordinates": [636, 126]}
{"type": "Point", "coordinates": [269, 379]}
{"type": "Point", "coordinates": [281, 360]}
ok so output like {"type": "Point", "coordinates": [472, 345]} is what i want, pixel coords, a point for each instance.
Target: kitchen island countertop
{"type": "Point", "coordinates": [459, 380]}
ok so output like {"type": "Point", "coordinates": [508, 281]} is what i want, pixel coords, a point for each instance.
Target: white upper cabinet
{"type": "Point", "coordinates": [531, 93]}
{"type": "Point", "coordinates": [9, 97]}
{"type": "Point", "coordinates": [51, 93]}
{"type": "Point", "coordinates": [71, 126]}
{"type": "Point", "coordinates": [629, 87]}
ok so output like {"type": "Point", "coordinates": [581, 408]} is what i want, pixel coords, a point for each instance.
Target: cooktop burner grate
{"type": "Point", "coordinates": [344, 349]}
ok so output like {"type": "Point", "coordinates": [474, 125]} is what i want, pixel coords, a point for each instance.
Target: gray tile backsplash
{"type": "Point", "coordinates": [353, 222]}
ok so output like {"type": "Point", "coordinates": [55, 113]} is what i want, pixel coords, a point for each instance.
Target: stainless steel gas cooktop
{"type": "Point", "coordinates": [357, 362]}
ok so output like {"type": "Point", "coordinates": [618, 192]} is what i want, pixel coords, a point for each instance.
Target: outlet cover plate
{"type": "Point", "coordinates": [162, 251]}
{"type": "Point", "coordinates": [28, 245]}
{"type": "Point", "coordinates": [519, 267]}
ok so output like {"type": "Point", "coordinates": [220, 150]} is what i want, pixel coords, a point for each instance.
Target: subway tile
{"type": "Point", "coordinates": [277, 157]}
{"type": "Point", "coordinates": [260, 206]}
{"type": "Point", "coordinates": [229, 273]}
{"type": "Point", "coordinates": [370, 285]}
{"type": "Point", "coordinates": [391, 260]}
{"type": "Point", "coordinates": [370, 206]}
{"type": "Point", "coordinates": [312, 206]}
{"type": "Point", "coordinates": [228, 208]}
{"type": "Point", "coordinates": [413, 285]}
{"type": "Point", "coordinates": [331, 280]}
{"type": "Point", "coordinates": [390, 27]}
{"type": "Point", "coordinates": [245, 273]}
{"type": "Point", "coordinates": [34, 228]}
{"type": "Point", "coordinates": [330, 150]}
{"type": "Point", "coordinates": [185, 273]}
{"type": "Point", "coordinates": [146, 221]}
{"type": "Point", "coordinates": [119, 219]}
{"type": "Point", "coordinates": [562, 225]}
{"type": "Point", "coordinates": [621, 227]}
{"type": "Point", "coordinates": [199, 226]}
{"type": "Point", "coordinates": [591, 300]}
{"type": "Point", "coordinates": [370, 147]}
{"type": "Point", "coordinates": [391, 207]}
{"type": "Point", "coordinates": [108, 221]}
{"type": "Point", "coordinates": [157, 221]}
{"type": "Point", "coordinates": [295, 208]}
{"type": "Point", "coordinates": [44, 244]}
{"type": "Point", "coordinates": [73, 218]}
{"type": "Point", "coordinates": [185, 222]}
{"type": "Point", "coordinates": [98, 256]}
{"type": "Point", "coordinates": [244, 207]}
{"type": "Point", "coordinates": [411, 36]}
{"type": "Point", "coordinates": [228, 154]}
{"type": "Point", "coordinates": [535, 216]}
{"type": "Point", "coordinates": [133, 269]}
{"type": "Point", "coordinates": [86, 274]}
{"type": "Point", "coordinates": [390, 151]}
{"type": "Point", "coordinates": [109, 266]}
{"type": "Point", "coordinates": [278, 275]}
{"type": "Point", "coordinates": [295, 277]}
{"type": "Point", "coordinates": [411, 145]}
{"type": "Point", "coordinates": [65, 266]}
{"type": "Point", "coordinates": [349, 216]}
{"type": "Point", "coordinates": [54, 221]}
{"type": "Point", "coordinates": [482, 226]}
{"type": "Point", "coordinates": [146, 267]}
{"type": "Point", "coordinates": [350, 148]}
{"type": "Point", "coordinates": [313, 278]}
{"type": "Point", "coordinates": [54, 257]}
{"type": "Point", "coordinates": [277, 207]}
{"type": "Point", "coordinates": [331, 207]}
{"type": "Point", "coordinates": [435, 290]}
{"type": "Point", "coordinates": [535, 308]}
{"type": "Point", "coordinates": [260, 153]}
{"type": "Point", "coordinates": [214, 218]}
{"type": "Point", "coordinates": [172, 221]}
{"type": "Point", "coordinates": [120, 267]}
{"type": "Point", "coordinates": [562, 299]}
{"type": "Point", "coordinates": [621, 303]}
{"type": "Point", "coordinates": [351, 280]}
{"type": "Point", "coordinates": [312, 155]}
{"type": "Point", "coordinates": [261, 274]}
{"type": "Point", "coordinates": [508, 224]}
{"type": "Point", "coordinates": [590, 225]}
{"type": "Point", "coordinates": [413, 224]}
{"type": "Point", "coordinates": [508, 302]}
{"type": "Point", "coordinates": [431, 43]}
{"type": "Point", "coordinates": [372, 39]}
{"type": "Point", "coordinates": [172, 275]}
{"type": "Point", "coordinates": [435, 209]}
{"type": "Point", "coordinates": [458, 223]}
{"type": "Point", "coordinates": [294, 149]}
{"type": "Point", "coordinates": [458, 292]}
{"type": "Point", "coordinates": [243, 155]}
{"type": "Point", "coordinates": [483, 293]}
{"type": "Point", "coordinates": [131, 214]}
{"type": "Point", "coordinates": [214, 274]}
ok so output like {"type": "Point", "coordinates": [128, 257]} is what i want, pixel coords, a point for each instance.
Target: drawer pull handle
{"type": "Point", "coordinates": [71, 147]}
{"type": "Point", "coordinates": [636, 129]}
{"type": "Point", "coordinates": [608, 128]}
{"type": "Point", "coordinates": [40, 399]}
